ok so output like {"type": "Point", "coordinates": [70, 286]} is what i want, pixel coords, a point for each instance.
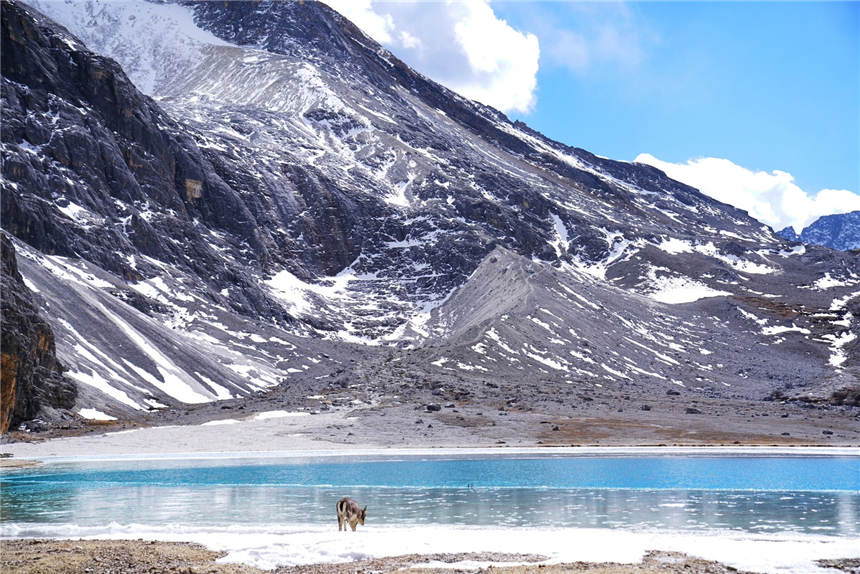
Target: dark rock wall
{"type": "Point", "coordinates": [77, 132]}
{"type": "Point", "coordinates": [32, 377]}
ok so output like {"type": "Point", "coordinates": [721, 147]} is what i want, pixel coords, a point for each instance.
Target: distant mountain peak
{"type": "Point", "coordinates": [839, 231]}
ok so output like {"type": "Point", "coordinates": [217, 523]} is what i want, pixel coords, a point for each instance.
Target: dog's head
{"type": "Point", "coordinates": [362, 515]}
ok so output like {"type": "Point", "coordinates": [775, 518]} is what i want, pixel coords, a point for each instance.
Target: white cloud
{"type": "Point", "coordinates": [595, 35]}
{"type": "Point", "coordinates": [462, 45]}
{"type": "Point", "coordinates": [410, 42]}
{"type": "Point", "coordinates": [570, 50]}
{"type": "Point", "coordinates": [360, 13]}
{"type": "Point", "coordinates": [772, 198]}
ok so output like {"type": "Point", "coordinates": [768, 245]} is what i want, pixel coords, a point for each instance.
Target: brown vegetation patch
{"type": "Point", "coordinates": [464, 420]}
{"type": "Point", "coordinates": [579, 431]}
{"type": "Point", "coordinates": [593, 430]}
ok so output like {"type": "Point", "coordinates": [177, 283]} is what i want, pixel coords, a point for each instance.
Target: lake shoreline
{"type": "Point", "coordinates": [369, 433]}
{"type": "Point", "coordinates": [451, 452]}
{"type": "Point", "coordinates": [25, 556]}
{"type": "Point", "coordinates": [56, 556]}
{"type": "Point", "coordinates": [296, 532]}
{"type": "Point", "coordinates": [395, 429]}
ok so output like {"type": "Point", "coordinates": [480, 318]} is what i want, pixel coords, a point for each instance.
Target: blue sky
{"type": "Point", "coordinates": [755, 103]}
{"type": "Point", "coordinates": [768, 85]}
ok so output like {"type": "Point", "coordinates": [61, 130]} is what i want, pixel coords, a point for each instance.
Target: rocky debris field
{"type": "Point", "coordinates": [147, 557]}
{"type": "Point", "coordinates": [474, 412]}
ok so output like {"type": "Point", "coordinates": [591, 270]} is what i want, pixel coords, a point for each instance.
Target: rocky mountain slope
{"type": "Point", "coordinates": [288, 207]}
{"type": "Point", "coordinates": [840, 231]}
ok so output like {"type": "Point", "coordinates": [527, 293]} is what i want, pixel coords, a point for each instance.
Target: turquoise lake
{"type": "Point", "coordinates": [797, 494]}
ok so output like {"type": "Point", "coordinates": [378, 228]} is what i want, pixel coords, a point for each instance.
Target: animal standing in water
{"type": "Point", "coordinates": [349, 512]}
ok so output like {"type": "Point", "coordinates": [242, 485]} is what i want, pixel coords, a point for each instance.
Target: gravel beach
{"type": "Point", "coordinates": [146, 557]}
{"type": "Point", "coordinates": [362, 420]}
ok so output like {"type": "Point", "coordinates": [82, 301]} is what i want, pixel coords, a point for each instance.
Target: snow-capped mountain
{"type": "Point", "coordinates": [212, 199]}
{"type": "Point", "coordinates": [840, 231]}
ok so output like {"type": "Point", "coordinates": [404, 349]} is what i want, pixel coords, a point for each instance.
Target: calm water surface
{"type": "Point", "coordinates": [818, 495]}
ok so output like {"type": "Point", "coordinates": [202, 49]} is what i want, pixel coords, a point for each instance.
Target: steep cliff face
{"type": "Point", "coordinates": [94, 173]}
{"type": "Point", "coordinates": [32, 377]}
{"type": "Point", "coordinates": [96, 170]}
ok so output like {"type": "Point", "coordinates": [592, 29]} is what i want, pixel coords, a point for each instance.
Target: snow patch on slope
{"type": "Point", "coordinates": [679, 289]}
{"type": "Point", "coordinates": [146, 38]}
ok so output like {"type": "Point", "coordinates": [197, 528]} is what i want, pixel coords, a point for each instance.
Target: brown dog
{"type": "Point", "coordinates": [349, 512]}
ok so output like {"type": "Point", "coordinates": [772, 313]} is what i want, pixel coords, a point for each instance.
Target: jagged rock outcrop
{"type": "Point", "coordinates": [789, 233]}
{"type": "Point", "coordinates": [32, 377]}
{"type": "Point", "coordinates": [840, 231]}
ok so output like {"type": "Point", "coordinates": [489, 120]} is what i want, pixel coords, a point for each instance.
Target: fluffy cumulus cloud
{"type": "Point", "coordinates": [462, 45]}
{"type": "Point", "coordinates": [772, 198]}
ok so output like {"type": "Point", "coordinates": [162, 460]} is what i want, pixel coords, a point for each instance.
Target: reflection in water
{"type": "Point", "coordinates": [834, 513]}
{"type": "Point", "coordinates": [652, 495]}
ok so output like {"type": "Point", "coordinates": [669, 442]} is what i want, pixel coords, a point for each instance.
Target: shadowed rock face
{"type": "Point", "coordinates": [32, 377]}
{"type": "Point", "coordinates": [86, 141]}
{"type": "Point", "coordinates": [290, 202]}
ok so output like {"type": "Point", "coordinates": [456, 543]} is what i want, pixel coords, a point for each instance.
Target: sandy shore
{"type": "Point", "coordinates": [346, 431]}
{"type": "Point", "coordinates": [272, 431]}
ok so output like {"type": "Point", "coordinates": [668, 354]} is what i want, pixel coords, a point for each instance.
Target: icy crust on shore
{"type": "Point", "coordinates": [467, 452]}
{"type": "Point", "coordinates": [270, 546]}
